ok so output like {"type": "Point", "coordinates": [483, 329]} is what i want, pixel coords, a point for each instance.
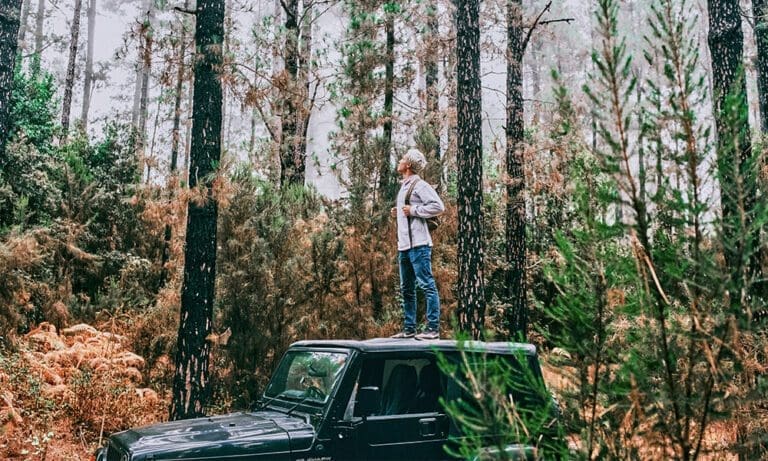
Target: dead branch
{"type": "Point", "coordinates": [535, 23]}
{"type": "Point", "coordinates": [552, 21]}
{"type": "Point", "coordinates": [181, 9]}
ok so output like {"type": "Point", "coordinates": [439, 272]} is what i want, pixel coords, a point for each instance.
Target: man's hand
{"type": "Point", "coordinates": [407, 210]}
{"type": "Point", "coordinates": [393, 212]}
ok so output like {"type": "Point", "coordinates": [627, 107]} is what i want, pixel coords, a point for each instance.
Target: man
{"type": "Point", "coordinates": [415, 244]}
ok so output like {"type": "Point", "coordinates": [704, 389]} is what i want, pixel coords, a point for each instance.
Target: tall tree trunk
{"type": "Point", "coordinates": [449, 72]}
{"type": "Point", "coordinates": [305, 60]}
{"type": "Point", "coordinates": [175, 139]}
{"type": "Point", "coordinates": [471, 286]}
{"type": "Point", "coordinates": [537, 44]}
{"type": "Point", "coordinates": [515, 277]}
{"type": "Point", "coordinates": [39, 24]}
{"type": "Point", "coordinates": [70, 80]}
{"type": "Point", "coordinates": [191, 384]}
{"type": "Point", "coordinates": [226, 122]}
{"type": "Point", "coordinates": [734, 148]}
{"type": "Point", "coordinates": [291, 161]}
{"type": "Point", "coordinates": [136, 109]}
{"type": "Point", "coordinates": [147, 33]}
{"type": "Point", "coordinates": [88, 81]}
{"type": "Point", "coordinates": [760, 11]}
{"type": "Point", "coordinates": [275, 166]}
{"type": "Point", "coordinates": [432, 94]}
{"type": "Point", "coordinates": [188, 122]}
{"type": "Point", "coordinates": [10, 12]}
{"type": "Point", "coordinates": [252, 138]}
{"type": "Point", "coordinates": [24, 18]}
{"type": "Point", "coordinates": [386, 178]}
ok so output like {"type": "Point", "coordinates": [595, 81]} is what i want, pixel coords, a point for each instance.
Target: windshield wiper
{"type": "Point", "coordinates": [296, 405]}
{"type": "Point", "coordinates": [262, 403]}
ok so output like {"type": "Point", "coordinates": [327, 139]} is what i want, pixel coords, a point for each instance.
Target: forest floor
{"type": "Point", "coordinates": [62, 391]}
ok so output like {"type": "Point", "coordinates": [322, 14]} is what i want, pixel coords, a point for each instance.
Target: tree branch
{"type": "Point", "coordinates": [552, 21]}
{"type": "Point", "coordinates": [181, 9]}
{"type": "Point", "coordinates": [290, 13]}
{"type": "Point", "coordinates": [535, 23]}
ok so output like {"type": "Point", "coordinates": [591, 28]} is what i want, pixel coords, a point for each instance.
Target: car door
{"type": "Point", "coordinates": [410, 424]}
{"type": "Point", "coordinates": [398, 437]}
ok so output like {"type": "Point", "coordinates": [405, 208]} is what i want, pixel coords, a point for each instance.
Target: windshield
{"type": "Point", "coordinates": [307, 375]}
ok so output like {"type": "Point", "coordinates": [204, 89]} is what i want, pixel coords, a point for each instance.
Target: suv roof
{"type": "Point", "coordinates": [395, 345]}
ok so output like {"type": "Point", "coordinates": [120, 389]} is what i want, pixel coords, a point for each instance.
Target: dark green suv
{"type": "Point", "coordinates": [329, 400]}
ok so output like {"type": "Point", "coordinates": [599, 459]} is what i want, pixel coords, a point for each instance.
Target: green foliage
{"type": "Point", "coordinates": [269, 266]}
{"type": "Point", "coordinates": [369, 175]}
{"type": "Point", "coordinates": [645, 304]}
{"type": "Point", "coordinates": [500, 401]}
{"type": "Point", "coordinates": [74, 238]}
{"type": "Point", "coordinates": [34, 108]}
{"type": "Point", "coordinates": [30, 170]}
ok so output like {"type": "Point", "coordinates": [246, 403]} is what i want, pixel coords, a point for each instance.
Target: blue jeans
{"type": "Point", "coordinates": [416, 269]}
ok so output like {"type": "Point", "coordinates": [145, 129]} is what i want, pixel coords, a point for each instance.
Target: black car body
{"type": "Point", "coordinates": [331, 400]}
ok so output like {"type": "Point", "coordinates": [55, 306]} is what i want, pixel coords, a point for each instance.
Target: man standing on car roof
{"type": "Point", "coordinates": [416, 202]}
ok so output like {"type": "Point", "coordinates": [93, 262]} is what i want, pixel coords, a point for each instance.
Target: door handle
{"type": "Point", "coordinates": [428, 427]}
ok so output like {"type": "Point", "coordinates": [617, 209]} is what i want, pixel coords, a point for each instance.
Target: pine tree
{"type": "Point", "coordinates": [175, 137]}
{"type": "Point", "coordinates": [191, 385]}
{"type": "Point", "coordinates": [471, 285]}
{"type": "Point", "coordinates": [23, 25]}
{"type": "Point", "coordinates": [734, 148]}
{"type": "Point", "coordinates": [386, 178]}
{"type": "Point", "coordinates": [432, 40]}
{"type": "Point", "coordinates": [39, 36]}
{"type": "Point", "coordinates": [10, 12]}
{"type": "Point", "coordinates": [760, 11]}
{"type": "Point", "coordinates": [515, 286]}
{"type": "Point", "coordinates": [69, 83]}
{"type": "Point", "coordinates": [292, 161]}
{"type": "Point", "coordinates": [88, 74]}
{"type": "Point", "coordinates": [148, 35]}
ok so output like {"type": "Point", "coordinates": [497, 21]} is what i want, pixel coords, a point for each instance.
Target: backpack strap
{"type": "Point", "coordinates": [410, 191]}
{"type": "Point", "coordinates": [408, 202]}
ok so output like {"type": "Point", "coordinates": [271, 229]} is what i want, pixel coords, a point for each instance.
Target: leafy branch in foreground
{"type": "Point", "coordinates": [654, 286]}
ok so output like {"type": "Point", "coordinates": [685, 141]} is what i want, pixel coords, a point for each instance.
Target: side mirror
{"type": "Point", "coordinates": [369, 400]}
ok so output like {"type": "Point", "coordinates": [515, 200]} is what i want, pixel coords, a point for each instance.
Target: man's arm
{"type": "Point", "coordinates": [431, 206]}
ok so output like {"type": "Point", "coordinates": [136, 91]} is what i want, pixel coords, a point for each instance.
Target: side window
{"type": "Point", "coordinates": [408, 386]}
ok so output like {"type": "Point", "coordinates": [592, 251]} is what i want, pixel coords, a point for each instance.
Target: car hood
{"type": "Point", "coordinates": [218, 436]}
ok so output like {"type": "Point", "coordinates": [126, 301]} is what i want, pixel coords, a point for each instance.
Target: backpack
{"type": "Point", "coordinates": [432, 223]}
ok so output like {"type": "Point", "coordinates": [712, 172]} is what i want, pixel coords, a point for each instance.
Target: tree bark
{"type": "Point", "coordinates": [226, 122]}
{"type": "Point", "coordinates": [175, 138]}
{"type": "Point", "coordinates": [24, 18]}
{"type": "Point", "coordinates": [760, 11]}
{"type": "Point", "coordinates": [515, 277]}
{"type": "Point", "coordinates": [536, 45]}
{"type": "Point", "coordinates": [188, 122]}
{"type": "Point", "coordinates": [291, 161]}
{"type": "Point", "coordinates": [39, 23]}
{"type": "Point", "coordinates": [386, 178]}
{"type": "Point", "coordinates": [305, 59]}
{"type": "Point", "coordinates": [10, 12]}
{"type": "Point", "coordinates": [471, 286]}
{"type": "Point", "coordinates": [734, 148]}
{"type": "Point", "coordinates": [432, 93]}
{"type": "Point", "coordinates": [191, 385]}
{"type": "Point", "coordinates": [147, 33]}
{"type": "Point", "coordinates": [70, 80]}
{"type": "Point", "coordinates": [88, 78]}
{"type": "Point", "coordinates": [135, 111]}
{"type": "Point", "coordinates": [449, 73]}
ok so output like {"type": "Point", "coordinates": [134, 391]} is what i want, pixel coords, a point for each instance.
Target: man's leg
{"type": "Point", "coordinates": [408, 290]}
{"type": "Point", "coordinates": [422, 266]}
